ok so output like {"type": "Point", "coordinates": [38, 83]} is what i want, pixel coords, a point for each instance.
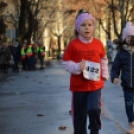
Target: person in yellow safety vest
{"type": "Point", "coordinates": [41, 54]}
{"type": "Point", "coordinates": [30, 55]}
{"type": "Point", "coordinates": [24, 56]}
{"type": "Point", "coordinates": [35, 54]}
{"type": "Point", "coordinates": [58, 55]}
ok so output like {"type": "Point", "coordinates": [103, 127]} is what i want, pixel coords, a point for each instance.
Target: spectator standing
{"type": "Point", "coordinates": [16, 57]}
{"type": "Point", "coordinates": [24, 55]}
{"type": "Point", "coordinates": [35, 54]}
{"type": "Point", "coordinates": [5, 58]}
{"type": "Point", "coordinates": [110, 50]}
{"type": "Point", "coordinates": [29, 53]}
{"type": "Point", "coordinates": [0, 52]}
{"type": "Point", "coordinates": [41, 54]}
{"type": "Point", "coordinates": [116, 42]}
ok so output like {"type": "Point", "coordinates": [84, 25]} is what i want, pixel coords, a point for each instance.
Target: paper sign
{"type": "Point", "coordinates": [92, 71]}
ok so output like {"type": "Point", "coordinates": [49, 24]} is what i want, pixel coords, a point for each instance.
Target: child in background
{"type": "Point", "coordinates": [86, 94]}
{"type": "Point", "coordinates": [124, 64]}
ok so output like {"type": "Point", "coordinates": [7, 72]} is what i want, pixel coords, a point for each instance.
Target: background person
{"type": "Point", "coordinates": [124, 65]}
{"type": "Point", "coordinates": [5, 58]}
{"type": "Point", "coordinates": [41, 54]}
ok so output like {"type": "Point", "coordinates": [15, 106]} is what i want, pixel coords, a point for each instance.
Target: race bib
{"type": "Point", "coordinates": [92, 71]}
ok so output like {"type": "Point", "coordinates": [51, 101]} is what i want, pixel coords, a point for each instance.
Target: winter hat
{"type": "Point", "coordinates": [82, 17]}
{"type": "Point", "coordinates": [128, 30]}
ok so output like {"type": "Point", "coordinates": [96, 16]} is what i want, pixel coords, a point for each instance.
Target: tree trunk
{"type": "Point", "coordinates": [114, 22]}
{"type": "Point", "coordinates": [28, 34]}
{"type": "Point", "coordinates": [59, 39]}
{"type": "Point", "coordinates": [122, 15]}
{"type": "Point", "coordinates": [109, 27]}
{"type": "Point", "coordinates": [22, 19]}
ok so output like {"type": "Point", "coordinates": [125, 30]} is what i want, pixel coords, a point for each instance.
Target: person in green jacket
{"type": "Point", "coordinates": [41, 54]}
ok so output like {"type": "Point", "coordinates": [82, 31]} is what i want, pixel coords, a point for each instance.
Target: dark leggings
{"type": "Point", "coordinates": [87, 103]}
{"type": "Point", "coordinates": [128, 95]}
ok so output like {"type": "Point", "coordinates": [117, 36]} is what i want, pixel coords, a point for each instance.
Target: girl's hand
{"type": "Point", "coordinates": [82, 65]}
{"type": "Point", "coordinates": [116, 81]}
{"type": "Point", "coordinates": [104, 78]}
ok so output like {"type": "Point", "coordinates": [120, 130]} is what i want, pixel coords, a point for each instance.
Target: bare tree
{"type": "Point", "coordinates": [3, 5]}
{"type": "Point", "coordinates": [12, 13]}
{"type": "Point", "coordinates": [62, 21]}
{"type": "Point", "coordinates": [116, 13]}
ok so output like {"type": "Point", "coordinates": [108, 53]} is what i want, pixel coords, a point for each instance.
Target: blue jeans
{"type": "Point", "coordinates": [129, 104]}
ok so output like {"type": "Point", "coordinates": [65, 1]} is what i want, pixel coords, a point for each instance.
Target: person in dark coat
{"type": "Point", "coordinates": [5, 57]}
{"type": "Point", "coordinates": [25, 58]}
{"type": "Point", "coordinates": [124, 66]}
{"type": "Point", "coordinates": [0, 52]}
{"type": "Point", "coordinates": [11, 48]}
{"type": "Point", "coordinates": [16, 56]}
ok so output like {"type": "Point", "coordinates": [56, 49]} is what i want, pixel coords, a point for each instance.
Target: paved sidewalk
{"type": "Point", "coordinates": [3, 76]}
{"type": "Point", "coordinates": [46, 92]}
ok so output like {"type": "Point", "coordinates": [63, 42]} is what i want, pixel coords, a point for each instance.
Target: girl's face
{"type": "Point", "coordinates": [129, 40]}
{"type": "Point", "coordinates": [86, 29]}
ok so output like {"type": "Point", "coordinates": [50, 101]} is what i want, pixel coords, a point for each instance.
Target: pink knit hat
{"type": "Point", "coordinates": [82, 17]}
{"type": "Point", "coordinates": [128, 30]}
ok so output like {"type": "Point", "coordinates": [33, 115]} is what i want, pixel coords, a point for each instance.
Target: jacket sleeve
{"type": "Point", "coordinates": [115, 71]}
{"type": "Point", "coordinates": [104, 67]}
{"type": "Point", "coordinates": [72, 67]}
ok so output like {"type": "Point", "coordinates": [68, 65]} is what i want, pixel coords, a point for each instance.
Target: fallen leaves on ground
{"type": "Point", "coordinates": [34, 80]}
{"type": "Point", "coordinates": [62, 128]}
{"type": "Point", "coordinates": [45, 76]}
{"type": "Point", "coordinates": [70, 112]}
{"type": "Point", "coordinates": [40, 82]}
{"type": "Point", "coordinates": [26, 77]}
{"type": "Point", "coordinates": [40, 115]}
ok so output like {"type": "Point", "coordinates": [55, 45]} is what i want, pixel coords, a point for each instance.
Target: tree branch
{"type": "Point", "coordinates": [126, 10]}
{"type": "Point", "coordinates": [113, 13]}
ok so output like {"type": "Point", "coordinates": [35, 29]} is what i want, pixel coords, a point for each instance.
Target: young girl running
{"type": "Point", "coordinates": [124, 62]}
{"type": "Point", "coordinates": [86, 53]}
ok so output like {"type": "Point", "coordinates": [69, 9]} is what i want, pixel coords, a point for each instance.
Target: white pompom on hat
{"type": "Point", "coordinates": [128, 30]}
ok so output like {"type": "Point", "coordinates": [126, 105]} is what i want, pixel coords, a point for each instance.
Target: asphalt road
{"type": "Point", "coordinates": [38, 102]}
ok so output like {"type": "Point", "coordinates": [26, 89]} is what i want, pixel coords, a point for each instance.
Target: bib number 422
{"type": "Point", "coordinates": [92, 71]}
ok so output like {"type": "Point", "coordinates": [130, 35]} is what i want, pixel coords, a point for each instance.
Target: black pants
{"type": "Point", "coordinates": [41, 62]}
{"type": "Point", "coordinates": [87, 103]}
{"type": "Point", "coordinates": [25, 63]}
{"type": "Point", "coordinates": [16, 65]}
